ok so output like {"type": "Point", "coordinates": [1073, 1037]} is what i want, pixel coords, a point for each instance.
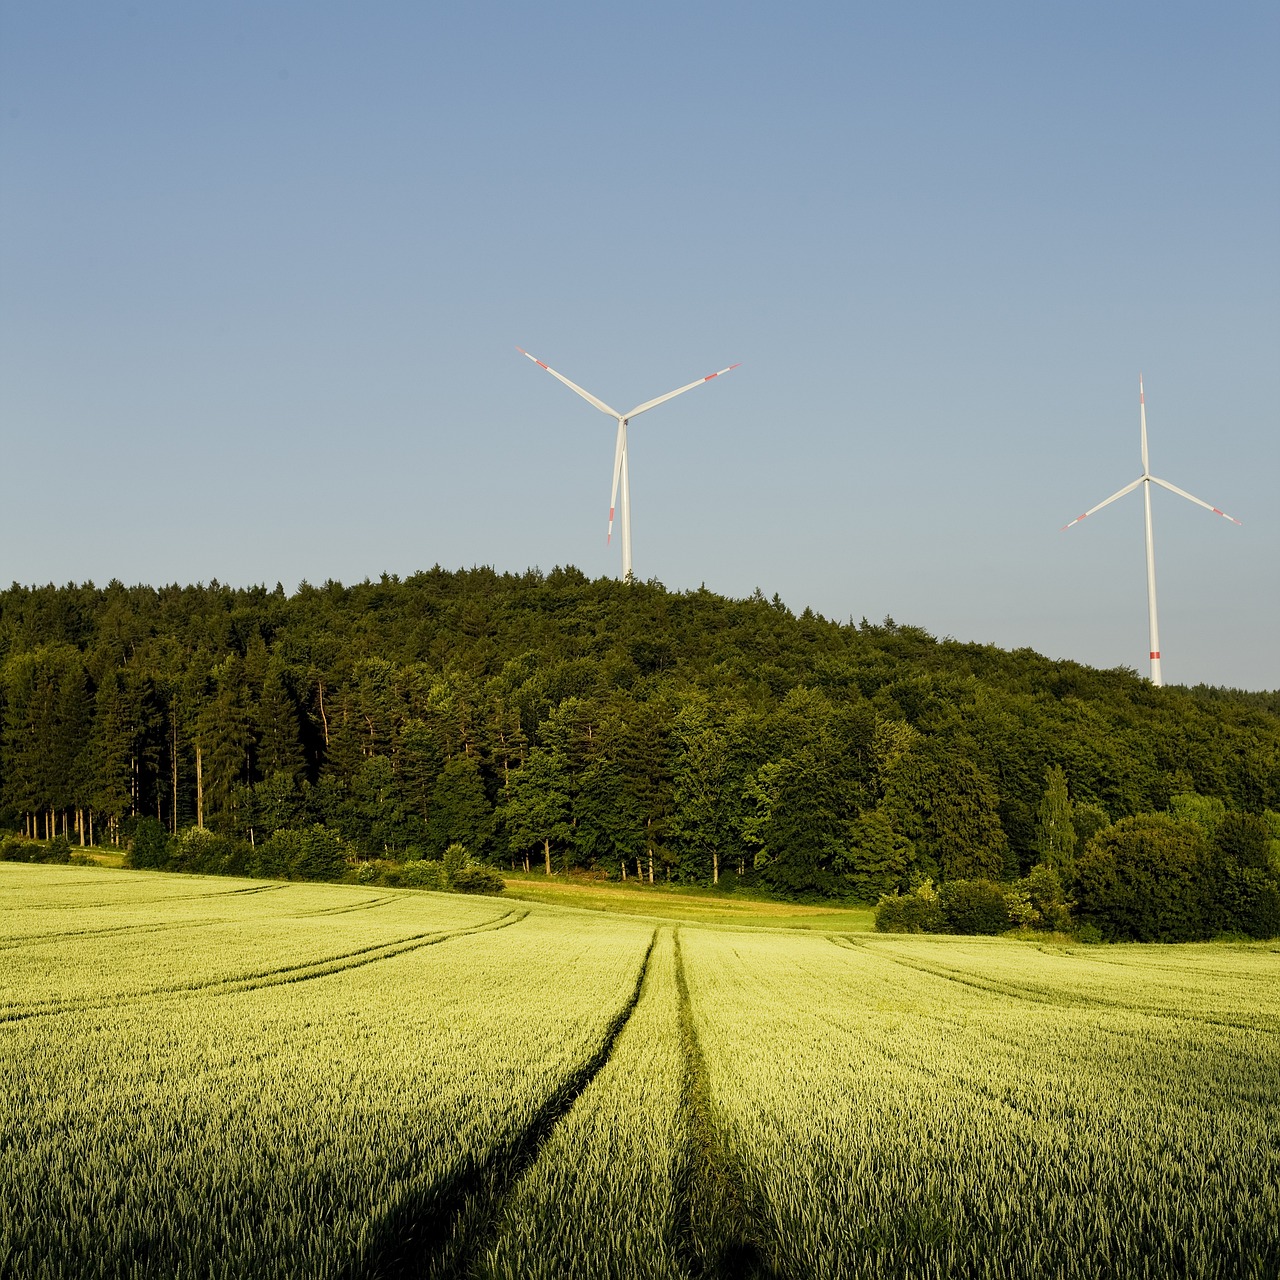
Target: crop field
{"type": "Point", "coordinates": [208, 1078]}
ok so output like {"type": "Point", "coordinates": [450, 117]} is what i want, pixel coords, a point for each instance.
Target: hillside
{"type": "Point", "coordinates": [546, 719]}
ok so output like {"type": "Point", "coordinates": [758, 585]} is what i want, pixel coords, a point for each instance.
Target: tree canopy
{"type": "Point", "coordinates": [603, 725]}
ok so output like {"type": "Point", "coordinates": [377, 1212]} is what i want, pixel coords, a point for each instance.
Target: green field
{"type": "Point", "coordinates": [216, 1078]}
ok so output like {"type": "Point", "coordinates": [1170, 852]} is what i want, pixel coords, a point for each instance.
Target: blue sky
{"type": "Point", "coordinates": [264, 267]}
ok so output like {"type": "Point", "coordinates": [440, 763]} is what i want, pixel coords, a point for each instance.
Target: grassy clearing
{"type": "Point", "coordinates": [685, 903]}
{"type": "Point", "coordinates": [234, 1079]}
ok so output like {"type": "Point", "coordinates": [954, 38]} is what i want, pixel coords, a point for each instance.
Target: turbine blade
{"type": "Point", "coordinates": [617, 475]}
{"type": "Point", "coordinates": [573, 386]}
{"type": "Point", "coordinates": [1142, 413]}
{"type": "Point", "coordinates": [1106, 502]}
{"type": "Point", "coordinates": [679, 391]}
{"type": "Point", "coordinates": [1191, 497]}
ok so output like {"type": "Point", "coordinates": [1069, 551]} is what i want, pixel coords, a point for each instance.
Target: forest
{"type": "Point", "coordinates": [549, 721]}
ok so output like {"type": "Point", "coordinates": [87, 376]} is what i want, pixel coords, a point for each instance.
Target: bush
{"type": "Point", "coordinates": [1147, 879]}
{"type": "Point", "coordinates": [318, 853]}
{"type": "Point", "coordinates": [917, 912]}
{"type": "Point", "coordinates": [152, 847]}
{"type": "Point", "coordinates": [1038, 902]}
{"type": "Point", "coordinates": [974, 906]}
{"type": "Point", "coordinates": [478, 879]}
{"type": "Point", "coordinates": [1248, 903]}
{"type": "Point", "coordinates": [20, 849]}
{"type": "Point", "coordinates": [202, 852]}
{"type": "Point", "coordinates": [423, 873]}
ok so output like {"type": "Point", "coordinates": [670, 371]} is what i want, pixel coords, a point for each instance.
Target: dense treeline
{"type": "Point", "coordinates": [573, 723]}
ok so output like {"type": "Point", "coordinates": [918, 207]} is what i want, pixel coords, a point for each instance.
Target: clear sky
{"type": "Point", "coordinates": [264, 267]}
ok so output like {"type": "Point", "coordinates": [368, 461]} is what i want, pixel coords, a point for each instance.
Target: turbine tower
{"type": "Point", "coordinates": [1146, 480]}
{"type": "Point", "coordinates": [620, 476]}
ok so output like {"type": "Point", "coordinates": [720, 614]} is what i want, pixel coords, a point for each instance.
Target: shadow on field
{"type": "Point", "coordinates": [438, 1231]}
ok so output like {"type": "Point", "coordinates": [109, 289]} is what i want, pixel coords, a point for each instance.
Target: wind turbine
{"type": "Point", "coordinates": [620, 447]}
{"type": "Point", "coordinates": [1146, 480]}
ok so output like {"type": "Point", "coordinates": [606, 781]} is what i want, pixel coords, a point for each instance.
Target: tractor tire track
{"type": "Point", "coordinates": [268, 978]}
{"type": "Point", "coordinates": [1059, 1000]}
{"type": "Point", "coordinates": [437, 1232]}
{"type": "Point", "coordinates": [718, 1228]}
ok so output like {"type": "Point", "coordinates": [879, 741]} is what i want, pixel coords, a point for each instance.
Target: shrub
{"type": "Point", "coordinates": [917, 912]}
{"type": "Point", "coordinates": [206, 853]}
{"type": "Point", "coordinates": [974, 906]}
{"type": "Point", "coordinates": [318, 853]}
{"type": "Point", "coordinates": [423, 873]}
{"type": "Point", "coordinates": [20, 849]}
{"type": "Point", "coordinates": [478, 879]}
{"type": "Point", "coordinates": [1146, 879]}
{"type": "Point", "coordinates": [1037, 901]}
{"type": "Point", "coordinates": [152, 847]}
{"type": "Point", "coordinates": [1248, 902]}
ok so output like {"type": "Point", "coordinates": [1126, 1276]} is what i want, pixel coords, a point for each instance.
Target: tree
{"type": "Point", "coordinates": [1055, 838]}
{"type": "Point", "coordinates": [1145, 879]}
{"type": "Point", "coordinates": [538, 811]}
{"type": "Point", "coordinates": [949, 809]}
{"type": "Point", "coordinates": [460, 812]}
{"type": "Point", "coordinates": [877, 858]}
{"type": "Point", "coordinates": [702, 822]}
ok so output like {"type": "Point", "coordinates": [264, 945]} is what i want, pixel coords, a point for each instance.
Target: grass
{"type": "Point", "coordinates": [686, 903]}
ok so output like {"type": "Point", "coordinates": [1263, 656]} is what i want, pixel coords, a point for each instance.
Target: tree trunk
{"type": "Point", "coordinates": [173, 817]}
{"type": "Point", "coordinates": [324, 719]}
{"type": "Point", "coordinates": [199, 788]}
{"type": "Point", "coordinates": [650, 866]}
{"type": "Point", "coordinates": [91, 828]}
{"type": "Point", "coordinates": [715, 866]}
{"type": "Point", "coordinates": [624, 868]}
{"type": "Point", "coordinates": [546, 850]}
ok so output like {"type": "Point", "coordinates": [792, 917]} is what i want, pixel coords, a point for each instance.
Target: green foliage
{"type": "Point", "coordinates": [19, 849]}
{"type": "Point", "coordinates": [596, 727]}
{"type": "Point", "coordinates": [1143, 879]}
{"type": "Point", "coordinates": [422, 873]}
{"type": "Point", "coordinates": [919, 911]}
{"type": "Point", "coordinates": [1055, 840]}
{"type": "Point", "coordinates": [1087, 820]}
{"type": "Point", "coordinates": [477, 879]}
{"type": "Point", "coordinates": [206, 852]}
{"type": "Point", "coordinates": [974, 906]}
{"type": "Point", "coordinates": [316, 853]}
{"type": "Point", "coordinates": [1205, 812]}
{"type": "Point", "coordinates": [152, 848]}
{"type": "Point", "coordinates": [950, 810]}
{"type": "Point", "coordinates": [459, 810]}
{"type": "Point", "coordinates": [1043, 889]}
{"type": "Point", "coordinates": [1244, 839]}
{"type": "Point", "coordinates": [877, 860]}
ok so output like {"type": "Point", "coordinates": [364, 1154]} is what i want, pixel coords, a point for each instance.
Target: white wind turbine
{"type": "Point", "coordinates": [620, 448]}
{"type": "Point", "coordinates": [1146, 480]}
